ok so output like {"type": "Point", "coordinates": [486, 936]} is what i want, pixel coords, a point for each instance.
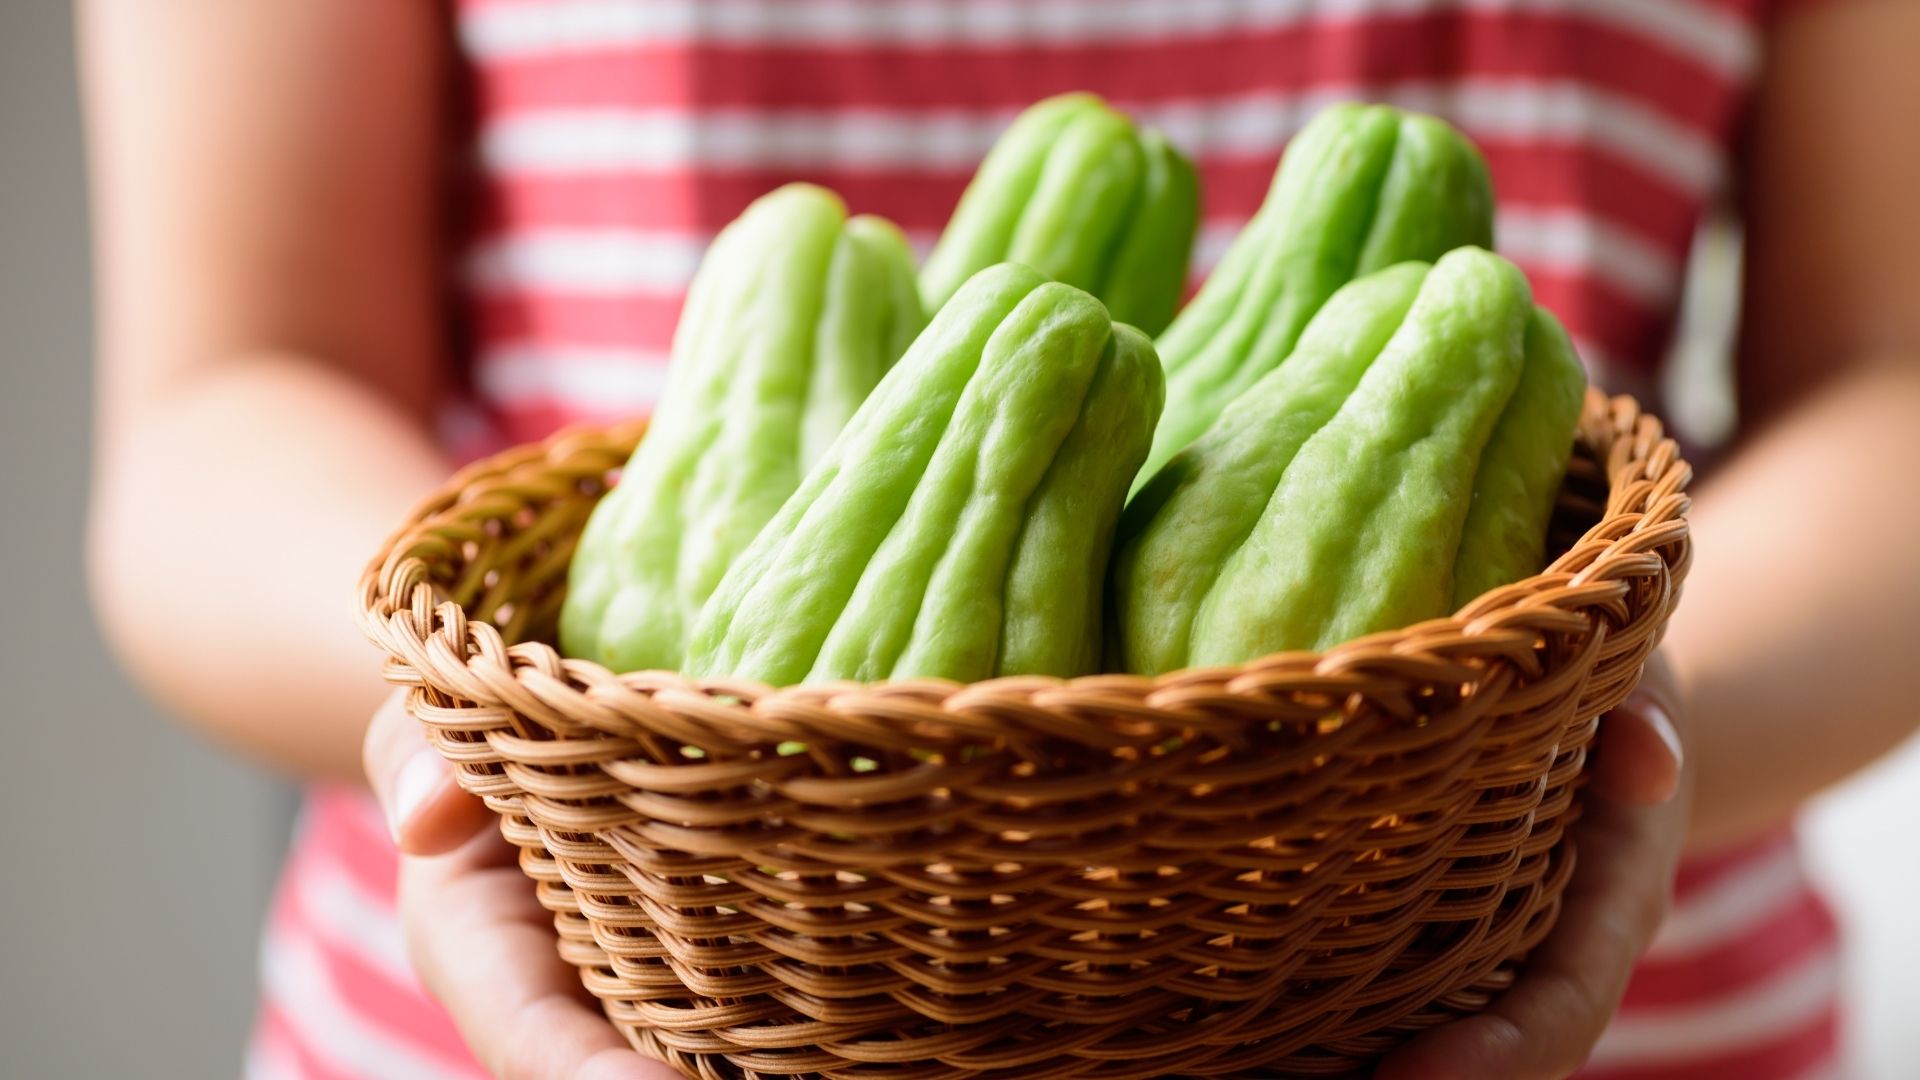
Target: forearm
{"type": "Point", "coordinates": [269, 255]}
{"type": "Point", "coordinates": [1793, 635]}
{"type": "Point", "coordinates": [230, 520]}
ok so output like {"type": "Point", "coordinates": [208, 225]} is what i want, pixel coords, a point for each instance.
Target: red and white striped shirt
{"type": "Point", "coordinates": [612, 138]}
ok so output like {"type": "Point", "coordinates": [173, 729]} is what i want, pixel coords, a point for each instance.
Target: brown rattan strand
{"type": "Point", "coordinates": [1277, 869]}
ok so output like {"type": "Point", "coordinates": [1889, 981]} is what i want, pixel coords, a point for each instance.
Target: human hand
{"type": "Point", "coordinates": [480, 942]}
{"type": "Point", "coordinates": [1629, 843]}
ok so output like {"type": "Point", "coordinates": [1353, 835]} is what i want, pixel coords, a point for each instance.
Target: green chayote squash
{"type": "Point", "coordinates": [1388, 464]}
{"type": "Point", "coordinates": [1076, 191]}
{"type": "Point", "coordinates": [960, 526]}
{"type": "Point", "coordinates": [1360, 188]}
{"type": "Point", "coordinates": [1505, 535]}
{"type": "Point", "coordinates": [795, 314]}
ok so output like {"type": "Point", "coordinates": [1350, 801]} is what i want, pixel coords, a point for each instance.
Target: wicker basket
{"type": "Point", "coordinates": [1283, 868]}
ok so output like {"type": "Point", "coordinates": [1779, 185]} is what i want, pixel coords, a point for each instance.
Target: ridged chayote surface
{"type": "Point", "coordinates": [793, 317]}
{"type": "Point", "coordinates": [1360, 188]}
{"type": "Point", "coordinates": [1075, 190]}
{"type": "Point", "coordinates": [1405, 458]}
{"type": "Point", "coordinates": [960, 526]}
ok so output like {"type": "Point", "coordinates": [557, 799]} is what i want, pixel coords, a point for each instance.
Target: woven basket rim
{"type": "Point", "coordinates": [409, 617]}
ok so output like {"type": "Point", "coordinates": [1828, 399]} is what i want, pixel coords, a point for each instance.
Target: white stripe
{"type": "Point", "coordinates": [1730, 909]}
{"type": "Point", "coordinates": [612, 140]}
{"type": "Point", "coordinates": [295, 978]}
{"type": "Point", "coordinates": [1569, 241]}
{"type": "Point", "coordinates": [1569, 112]}
{"type": "Point", "coordinates": [1711, 36]}
{"type": "Point", "coordinates": [604, 380]}
{"type": "Point", "coordinates": [1774, 1008]}
{"type": "Point", "coordinates": [347, 919]}
{"type": "Point", "coordinates": [592, 261]}
{"type": "Point", "coordinates": [670, 139]}
{"type": "Point", "coordinates": [662, 264]}
{"type": "Point", "coordinates": [1210, 245]}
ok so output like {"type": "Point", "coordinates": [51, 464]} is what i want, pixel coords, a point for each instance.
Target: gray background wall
{"type": "Point", "coordinates": [135, 861]}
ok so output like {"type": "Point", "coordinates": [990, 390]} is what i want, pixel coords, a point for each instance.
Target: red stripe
{"type": "Point", "coordinates": [1705, 870]}
{"type": "Point", "coordinates": [1789, 1055]}
{"type": "Point", "coordinates": [1596, 183]}
{"type": "Point", "coordinates": [1531, 173]}
{"type": "Point", "coordinates": [404, 1012]}
{"type": "Point", "coordinates": [1592, 310]}
{"type": "Point", "coordinates": [356, 807]}
{"type": "Point", "coordinates": [339, 833]}
{"type": "Point", "coordinates": [705, 200]}
{"type": "Point", "coordinates": [276, 1031]}
{"type": "Point", "coordinates": [625, 320]}
{"type": "Point", "coordinates": [1799, 930]}
{"type": "Point", "coordinates": [1375, 51]}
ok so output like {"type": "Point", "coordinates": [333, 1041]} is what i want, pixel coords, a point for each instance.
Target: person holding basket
{"type": "Point", "coordinates": [343, 246]}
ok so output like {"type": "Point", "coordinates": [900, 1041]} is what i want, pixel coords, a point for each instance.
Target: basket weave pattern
{"type": "Point", "coordinates": [1281, 868]}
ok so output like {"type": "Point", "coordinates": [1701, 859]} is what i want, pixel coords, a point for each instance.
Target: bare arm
{"type": "Point", "coordinates": [265, 188]}
{"type": "Point", "coordinates": [1795, 634]}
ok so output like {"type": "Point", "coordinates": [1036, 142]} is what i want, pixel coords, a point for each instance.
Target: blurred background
{"type": "Point", "coordinates": [135, 861]}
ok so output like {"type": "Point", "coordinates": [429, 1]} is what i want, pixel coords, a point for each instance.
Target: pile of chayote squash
{"type": "Point", "coordinates": [1359, 422]}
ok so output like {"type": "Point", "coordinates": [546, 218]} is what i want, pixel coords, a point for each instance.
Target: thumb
{"type": "Point", "coordinates": [426, 811]}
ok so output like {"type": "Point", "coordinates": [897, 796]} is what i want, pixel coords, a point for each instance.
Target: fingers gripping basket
{"type": "Point", "coordinates": [1283, 868]}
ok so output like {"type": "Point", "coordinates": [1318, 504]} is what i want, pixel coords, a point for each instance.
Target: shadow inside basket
{"type": "Point", "coordinates": [1284, 868]}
